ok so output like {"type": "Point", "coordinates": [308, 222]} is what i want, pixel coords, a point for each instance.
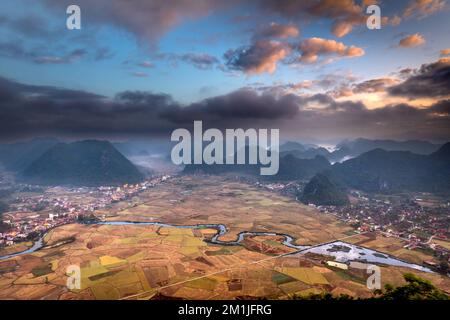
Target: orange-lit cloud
{"type": "Point", "coordinates": [275, 30]}
{"type": "Point", "coordinates": [344, 14]}
{"type": "Point", "coordinates": [445, 52]}
{"type": "Point", "coordinates": [313, 48]}
{"type": "Point", "coordinates": [423, 8]}
{"type": "Point", "coordinates": [411, 41]}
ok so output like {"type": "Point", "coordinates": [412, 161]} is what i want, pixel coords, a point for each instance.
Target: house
{"type": "Point", "coordinates": [339, 265]}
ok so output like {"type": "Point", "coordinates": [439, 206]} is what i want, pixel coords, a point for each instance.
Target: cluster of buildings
{"type": "Point", "coordinates": [405, 219]}
{"type": "Point", "coordinates": [32, 215]}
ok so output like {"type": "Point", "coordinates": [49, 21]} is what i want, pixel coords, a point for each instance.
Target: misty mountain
{"type": "Point", "coordinates": [84, 163]}
{"type": "Point", "coordinates": [353, 148]}
{"type": "Point", "coordinates": [291, 146]}
{"type": "Point", "coordinates": [296, 146]}
{"type": "Point", "coordinates": [148, 147]}
{"type": "Point", "coordinates": [359, 146]}
{"type": "Point", "coordinates": [290, 167]}
{"type": "Point", "coordinates": [321, 190]}
{"type": "Point", "coordinates": [389, 171]}
{"type": "Point", "coordinates": [293, 168]}
{"type": "Point", "coordinates": [309, 153]}
{"type": "Point", "coordinates": [17, 156]}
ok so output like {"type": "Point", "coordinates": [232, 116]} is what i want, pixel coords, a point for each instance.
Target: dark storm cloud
{"type": "Point", "coordinates": [25, 91]}
{"type": "Point", "coordinates": [441, 107]}
{"type": "Point", "coordinates": [339, 120]}
{"type": "Point", "coordinates": [430, 80]}
{"type": "Point", "coordinates": [237, 107]}
{"type": "Point", "coordinates": [29, 111]}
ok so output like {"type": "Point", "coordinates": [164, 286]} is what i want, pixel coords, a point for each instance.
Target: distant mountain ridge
{"type": "Point", "coordinates": [17, 156]}
{"type": "Point", "coordinates": [83, 163]}
{"type": "Point", "coordinates": [360, 146]}
{"type": "Point", "coordinates": [385, 171]}
{"type": "Point", "coordinates": [290, 167]}
{"type": "Point", "coordinates": [353, 148]}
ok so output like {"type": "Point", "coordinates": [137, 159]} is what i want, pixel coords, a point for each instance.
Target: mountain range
{"type": "Point", "coordinates": [390, 171]}
{"type": "Point", "coordinates": [17, 156]}
{"type": "Point", "coordinates": [290, 167]}
{"type": "Point", "coordinates": [352, 148]}
{"type": "Point", "coordinates": [92, 162]}
{"type": "Point", "coordinates": [83, 163]}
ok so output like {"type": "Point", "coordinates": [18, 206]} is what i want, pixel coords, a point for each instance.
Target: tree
{"type": "Point", "coordinates": [415, 288]}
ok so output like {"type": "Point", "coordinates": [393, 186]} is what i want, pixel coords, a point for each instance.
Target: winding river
{"type": "Point", "coordinates": [340, 250]}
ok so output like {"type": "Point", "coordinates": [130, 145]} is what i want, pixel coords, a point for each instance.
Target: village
{"type": "Point", "coordinates": [31, 214]}
{"type": "Point", "coordinates": [420, 220]}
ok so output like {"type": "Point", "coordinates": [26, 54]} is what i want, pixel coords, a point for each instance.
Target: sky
{"type": "Point", "coordinates": [143, 68]}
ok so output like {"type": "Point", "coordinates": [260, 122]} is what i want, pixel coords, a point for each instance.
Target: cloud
{"type": "Point", "coordinates": [260, 57]}
{"type": "Point", "coordinates": [275, 30]}
{"type": "Point", "coordinates": [410, 41]}
{"type": "Point", "coordinates": [313, 48]}
{"type": "Point", "coordinates": [29, 26]}
{"type": "Point", "coordinates": [200, 61]}
{"type": "Point", "coordinates": [31, 111]}
{"type": "Point", "coordinates": [103, 54]}
{"type": "Point", "coordinates": [441, 108]}
{"type": "Point", "coordinates": [430, 80]}
{"type": "Point", "coordinates": [392, 21]}
{"type": "Point", "coordinates": [139, 74]}
{"type": "Point", "coordinates": [146, 64]}
{"type": "Point", "coordinates": [423, 8]}
{"type": "Point", "coordinates": [344, 14]}
{"type": "Point", "coordinates": [69, 58]}
{"type": "Point", "coordinates": [13, 49]}
{"type": "Point", "coordinates": [353, 119]}
{"type": "Point", "coordinates": [374, 85]}
{"type": "Point", "coordinates": [445, 52]}
{"type": "Point", "coordinates": [148, 20]}
{"type": "Point", "coordinates": [241, 106]}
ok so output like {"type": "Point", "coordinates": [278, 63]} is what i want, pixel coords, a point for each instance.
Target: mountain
{"type": "Point", "coordinates": [348, 149]}
{"type": "Point", "coordinates": [321, 190]}
{"type": "Point", "coordinates": [290, 168]}
{"type": "Point", "coordinates": [296, 146]}
{"type": "Point", "coordinates": [84, 163]}
{"type": "Point", "coordinates": [133, 148]}
{"type": "Point", "coordinates": [17, 156]}
{"type": "Point", "coordinates": [443, 154]}
{"type": "Point", "coordinates": [387, 171]}
{"type": "Point", "coordinates": [309, 153]}
{"type": "Point", "coordinates": [361, 145]}
{"type": "Point", "coordinates": [340, 154]}
{"type": "Point", "coordinates": [291, 146]}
